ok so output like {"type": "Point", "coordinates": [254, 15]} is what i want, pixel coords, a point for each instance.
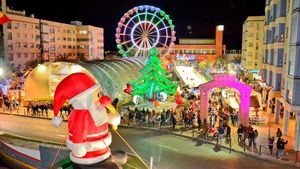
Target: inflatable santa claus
{"type": "Point", "coordinates": [88, 136]}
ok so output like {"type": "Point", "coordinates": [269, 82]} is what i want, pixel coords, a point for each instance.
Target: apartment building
{"type": "Point", "coordinates": [281, 63]}
{"type": "Point", "coordinates": [252, 43]}
{"type": "Point", "coordinates": [28, 38]}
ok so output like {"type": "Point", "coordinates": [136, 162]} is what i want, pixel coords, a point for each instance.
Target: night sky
{"type": "Point", "coordinates": [202, 15]}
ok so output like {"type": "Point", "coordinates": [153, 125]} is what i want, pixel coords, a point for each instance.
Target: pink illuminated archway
{"type": "Point", "coordinates": [227, 80]}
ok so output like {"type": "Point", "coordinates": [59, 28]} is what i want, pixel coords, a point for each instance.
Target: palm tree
{"type": "Point", "coordinates": [31, 64]}
{"type": "Point", "coordinates": [62, 58]}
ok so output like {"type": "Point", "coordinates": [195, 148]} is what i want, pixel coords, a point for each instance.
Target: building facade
{"type": "Point", "coordinates": [200, 49]}
{"type": "Point", "coordinates": [28, 38]}
{"type": "Point", "coordinates": [252, 43]}
{"type": "Point", "coordinates": [281, 63]}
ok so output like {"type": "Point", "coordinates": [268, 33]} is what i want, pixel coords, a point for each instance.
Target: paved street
{"type": "Point", "coordinates": [169, 151]}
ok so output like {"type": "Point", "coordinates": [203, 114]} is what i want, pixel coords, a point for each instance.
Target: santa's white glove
{"type": "Point", "coordinates": [114, 119]}
{"type": "Point", "coordinates": [79, 150]}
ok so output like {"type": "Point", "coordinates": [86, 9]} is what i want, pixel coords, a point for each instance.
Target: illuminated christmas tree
{"type": "Point", "coordinates": [153, 81]}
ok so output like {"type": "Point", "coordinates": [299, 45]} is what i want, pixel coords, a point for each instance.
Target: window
{"type": "Point", "coordinates": [278, 81]}
{"type": "Point", "coordinates": [18, 55]}
{"type": "Point", "coordinates": [52, 47]}
{"type": "Point", "coordinates": [9, 36]}
{"type": "Point", "coordinates": [289, 96]}
{"type": "Point", "coordinates": [32, 56]}
{"type": "Point", "coordinates": [18, 35]}
{"type": "Point", "coordinates": [274, 12]}
{"type": "Point", "coordinates": [272, 57]}
{"type": "Point", "coordinates": [295, 36]}
{"type": "Point", "coordinates": [37, 46]}
{"type": "Point", "coordinates": [282, 8]}
{"type": "Point", "coordinates": [52, 30]}
{"type": "Point", "coordinates": [281, 30]}
{"type": "Point", "coordinates": [296, 4]}
{"type": "Point", "coordinates": [31, 45]}
{"type": "Point", "coordinates": [18, 44]}
{"type": "Point", "coordinates": [291, 61]}
{"type": "Point", "coordinates": [10, 57]}
{"type": "Point", "coordinates": [270, 78]}
{"type": "Point", "coordinates": [17, 25]}
{"type": "Point", "coordinates": [257, 36]}
{"type": "Point", "coordinates": [52, 39]}
{"type": "Point", "coordinates": [82, 39]}
{"type": "Point", "coordinates": [69, 39]}
{"type": "Point", "coordinates": [10, 46]}
{"type": "Point", "coordinates": [25, 26]}
{"type": "Point", "coordinates": [250, 44]}
{"type": "Point", "coordinates": [64, 38]}
{"type": "Point", "coordinates": [37, 37]}
{"type": "Point", "coordinates": [25, 45]}
{"type": "Point", "coordinates": [279, 57]}
{"type": "Point", "coordinates": [25, 55]}
{"type": "Point", "coordinates": [64, 46]}
{"type": "Point", "coordinates": [69, 46]}
{"type": "Point", "coordinates": [9, 25]}
{"type": "Point", "coordinates": [32, 36]}
{"type": "Point", "coordinates": [25, 35]}
{"type": "Point", "coordinates": [83, 32]}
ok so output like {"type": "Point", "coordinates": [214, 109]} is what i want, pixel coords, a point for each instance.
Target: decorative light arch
{"type": "Point", "coordinates": [226, 80]}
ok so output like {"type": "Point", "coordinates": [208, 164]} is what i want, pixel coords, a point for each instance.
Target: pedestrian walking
{"type": "Point", "coordinates": [240, 133]}
{"type": "Point", "coordinates": [228, 131]}
{"type": "Point", "coordinates": [271, 144]}
{"type": "Point", "coordinates": [279, 133]}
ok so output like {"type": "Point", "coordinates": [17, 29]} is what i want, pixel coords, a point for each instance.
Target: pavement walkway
{"type": "Point", "coordinates": [260, 150]}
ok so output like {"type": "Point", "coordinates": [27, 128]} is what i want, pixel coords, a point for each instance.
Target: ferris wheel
{"type": "Point", "coordinates": [142, 28]}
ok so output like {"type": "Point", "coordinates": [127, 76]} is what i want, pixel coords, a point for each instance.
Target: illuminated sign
{"type": "Point", "coordinates": [186, 57]}
{"type": "Point", "coordinates": [220, 27]}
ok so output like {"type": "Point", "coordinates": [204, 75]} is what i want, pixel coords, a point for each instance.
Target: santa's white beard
{"type": "Point", "coordinates": [98, 114]}
{"type": "Point", "coordinates": [97, 111]}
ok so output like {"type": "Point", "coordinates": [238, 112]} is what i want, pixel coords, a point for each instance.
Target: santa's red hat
{"type": "Point", "coordinates": [69, 88]}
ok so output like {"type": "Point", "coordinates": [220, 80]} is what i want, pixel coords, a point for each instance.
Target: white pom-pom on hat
{"type": "Point", "coordinates": [57, 121]}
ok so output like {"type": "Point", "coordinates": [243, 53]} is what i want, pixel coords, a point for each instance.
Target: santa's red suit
{"type": "Point", "coordinates": [88, 136]}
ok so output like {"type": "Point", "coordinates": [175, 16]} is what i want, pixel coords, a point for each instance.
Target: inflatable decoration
{"type": "Point", "coordinates": [137, 99]}
{"type": "Point", "coordinates": [128, 88]}
{"type": "Point", "coordinates": [162, 96]}
{"type": "Point", "coordinates": [88, 136]}
{"type": "Point", "coordinates": [178, 99]}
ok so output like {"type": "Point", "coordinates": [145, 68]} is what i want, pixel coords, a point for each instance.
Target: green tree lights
{"type": "Point", "coordinates": [154, 80]}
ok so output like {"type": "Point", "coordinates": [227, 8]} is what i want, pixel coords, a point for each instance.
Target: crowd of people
{"type": "Point", "coordinates": [280, 144]}
{"type": "Point", "coordinates": [42, 109]}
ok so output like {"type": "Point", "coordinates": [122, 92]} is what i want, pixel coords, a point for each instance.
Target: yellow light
{"type": "Point", "coordinates": [1, 71]}
{"type": "Point", "coordinates": [75, 68]}
{"type": "Point", "coordinates": [42, 68]}
{"type": "Point", "coordinates": [232, 72]}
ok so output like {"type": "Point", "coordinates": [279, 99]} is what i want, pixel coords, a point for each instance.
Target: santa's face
{"type": "Point", "coordinates": [87, 99]}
